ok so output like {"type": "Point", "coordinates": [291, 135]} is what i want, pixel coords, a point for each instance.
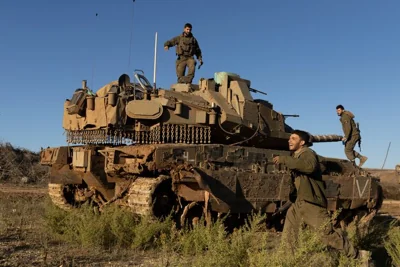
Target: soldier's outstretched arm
{"type": "Point", "coordinates": [305, 164]}
{"type": "Point", "coordinates": [170, 43]}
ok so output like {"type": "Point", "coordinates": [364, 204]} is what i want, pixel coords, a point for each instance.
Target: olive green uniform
{"type": "Point", "coordinates": [186, 48]}
{"type": "Point", "coordinates": [310, 205]}
{"type": "Point", "coordinates": [351, 133]}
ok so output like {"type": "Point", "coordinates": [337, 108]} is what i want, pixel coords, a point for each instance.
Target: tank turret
{"type": "Point", "coordinates": [217, 110]}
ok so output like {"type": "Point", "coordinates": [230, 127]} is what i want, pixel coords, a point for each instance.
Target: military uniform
{"type": "Point", "coordinates": [352, 135]}
{"type": "Point", "coordinates": [186, 48]}
{"type": "Point", "coordinates": [311, 203]}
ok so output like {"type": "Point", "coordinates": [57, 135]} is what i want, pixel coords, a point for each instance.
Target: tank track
{"type": "Point", "coordinates": [140, 198]}
{"type": "Point", "coordinates": [56, 193]}
{"type": "Point", "coordinates": [141, 195]}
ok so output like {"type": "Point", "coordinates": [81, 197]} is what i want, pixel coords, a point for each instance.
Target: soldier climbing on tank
{"type": "Point", "coordinates": [186, 48]}
{"type": "Point", "coordinates": [310, 205]}
{"type": "Point", "coordinates": [351, 135]}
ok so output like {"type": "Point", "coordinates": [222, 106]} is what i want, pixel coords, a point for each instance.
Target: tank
{"type": "Point", "coordinates": [197, 151]}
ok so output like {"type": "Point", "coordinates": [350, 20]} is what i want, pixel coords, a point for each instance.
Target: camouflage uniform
{"type": "Point", "coordinates": [186, 48]}
{"type": "Point", "coordinates": [310, 205]}
{"type": "Point", "coordinates": [352, 135]}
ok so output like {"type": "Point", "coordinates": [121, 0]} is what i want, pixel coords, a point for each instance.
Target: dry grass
{"type": "Point", "coordinates": [21, 165]}
{"type": "Point", "coordinates": [201, 246]}
{"type": "Point", "coordinates": [33, 230]}
{"type": "Point", "coordinates": [113, 228]}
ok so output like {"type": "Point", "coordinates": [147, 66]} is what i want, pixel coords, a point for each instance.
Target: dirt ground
{"type": "Point", "coordinates": [23, 242]}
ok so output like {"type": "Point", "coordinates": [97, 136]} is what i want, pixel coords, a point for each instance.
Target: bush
{"type": "Point", "coordinates": [18, 165]}
{"type": "Point", "coordinates": [392, 244]}
{"type": "Point", "coordinates": [202, 245]}
{"type": "Point", "coordinates": [114, 227]}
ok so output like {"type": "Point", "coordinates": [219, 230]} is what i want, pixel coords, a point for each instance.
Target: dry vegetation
{"type": "Point", "coordinates": [33, 232]}
{"type": "Point", "coordinates": [18, 165]}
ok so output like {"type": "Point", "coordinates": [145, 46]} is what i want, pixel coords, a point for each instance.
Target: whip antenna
{"type": "Point", "coordinates": [94, 54]}
{"type": "Point", "coordinates": [130, 39]}
{"type": "Point", "coordinates": [155, 63]}
{"type": "Point", "coordinates": [387, 152]}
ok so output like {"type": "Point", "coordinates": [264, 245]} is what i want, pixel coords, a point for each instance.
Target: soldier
{"type": "Point", "coordinates": [186, 47]}
{"type": "Point", "coordinates": [310, 205]}
{"type": "Point", "coordinates": [351, 135]}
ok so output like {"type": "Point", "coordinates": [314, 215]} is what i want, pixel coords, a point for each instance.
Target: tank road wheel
{"type": "Point", "coordinates": [57, 196]}
{"type": "Point", "coordinates": [68, 196]}
{"type": "Point", "coordinates": [152, 197]}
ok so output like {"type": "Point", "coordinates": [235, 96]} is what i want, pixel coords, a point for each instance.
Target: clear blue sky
{"type": "Point", "coordinates": [308, 56]}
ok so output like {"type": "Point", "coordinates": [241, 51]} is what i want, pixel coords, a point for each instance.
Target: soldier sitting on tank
{"type": "Point", "coordinates": [186, 48]}
{"type": "Point", "coordinates": [310, 206]}
{"type": "Point", "coordinates": [351, 135]}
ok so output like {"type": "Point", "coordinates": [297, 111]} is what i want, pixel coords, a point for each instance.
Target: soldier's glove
{"type": "Point", "coordinates": [201, 63]}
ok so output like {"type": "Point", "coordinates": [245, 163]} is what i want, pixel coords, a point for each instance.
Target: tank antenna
{"type": "Point", "coordinates": [387, 152]}
{"type": "Point", "coordinates": [155, 63]}
{"type": "Point", "coordinates": [94, 56]}
{"type": "Point", "coordinates": [130, 39]}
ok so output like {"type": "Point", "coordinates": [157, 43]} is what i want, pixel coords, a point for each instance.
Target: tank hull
{"type": "Point", "coordinates": [218, 179]}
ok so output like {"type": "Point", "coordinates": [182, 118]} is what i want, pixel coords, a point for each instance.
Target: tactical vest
{"type": "Point", "coordinates": [186, 46]}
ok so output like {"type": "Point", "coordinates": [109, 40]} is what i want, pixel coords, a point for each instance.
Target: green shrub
{"type": "Point", "coordinates": [392, 244]}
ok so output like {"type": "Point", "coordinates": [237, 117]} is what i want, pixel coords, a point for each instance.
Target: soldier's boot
{"type": "Point", "coordinates": [365, 259]}
{"type": "Point", "coordinates": [363, 159]}
{"type": "Point", "coordinates": [182, 79]}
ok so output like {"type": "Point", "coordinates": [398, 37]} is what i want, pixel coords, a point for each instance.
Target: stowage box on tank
{"type": "Point", "coordinates": [200, 150]}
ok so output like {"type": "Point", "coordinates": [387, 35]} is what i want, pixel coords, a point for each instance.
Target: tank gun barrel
{"type": "Point", "coordinates": [257, 91]}
{"type": "Point", "coordinates": [326, 138]}
{"type": "Point", "coordinates": [291, 115]}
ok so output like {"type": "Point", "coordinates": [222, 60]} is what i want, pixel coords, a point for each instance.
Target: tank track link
{"type": "Point", "coordinates": [141, 195]}
{"type": "Point", "coordinates": [56, 193]}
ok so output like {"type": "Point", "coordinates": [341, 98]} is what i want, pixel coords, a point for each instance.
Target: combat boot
{"type": "Point", "coordinates": [363, 159]}
{"type": "Point", "coordinates": [365, 259]}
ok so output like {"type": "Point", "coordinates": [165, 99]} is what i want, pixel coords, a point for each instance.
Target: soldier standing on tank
{"type": "Point", "coordinates": [310, 205]}
{"type": "Point", "coordinates": [186, 48]}
{"type": "Point", "coordinates": [351, 135]}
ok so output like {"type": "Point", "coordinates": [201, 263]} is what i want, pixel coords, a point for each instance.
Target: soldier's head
{"type": "Point", "coordinates": [187, 29]}
{"type": "Point", "coordinates": [299, 139]}
{"type": "Point", "coordinates": [339, 110]}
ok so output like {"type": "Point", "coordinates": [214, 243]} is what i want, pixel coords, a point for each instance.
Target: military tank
{"type": "Point", "coordinates": [196, 151]}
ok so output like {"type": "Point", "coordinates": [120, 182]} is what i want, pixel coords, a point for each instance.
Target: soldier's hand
{"type": "Point", "coordinates": [201, 63]}
{"type": "Point", "coordinates": [166, 48]}
{"type": "Point", "coordinates": [276, 159]}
